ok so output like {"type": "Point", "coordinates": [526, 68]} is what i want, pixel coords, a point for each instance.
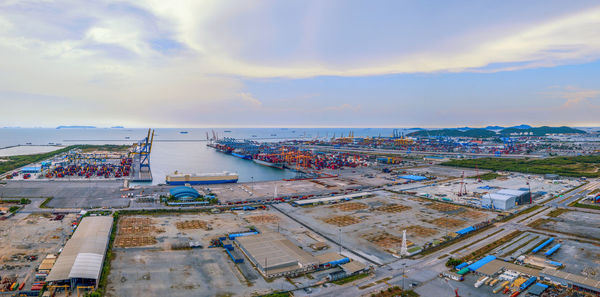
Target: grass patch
{"type": "Point", "coordinates": [532, 209]}
{"type": "Point", "coordinates": [277, 294]}
{"type": "Point", "coordinates": [486, 249]}
{"type": "Point", "coordinates": [453, 241]}
{"type": "Point", "coordinates": [43, 205]}
{"type": "Point", "coordinates": [486, 176]}
{"type": "Point", "coordinates": [579, 166]}
{"type": "Point", "coordinates": [557, 212]}
{"type": "Point", "coordinates": [474, 242]}
{"type": "Point", "coordinates": [395, 291]}
{"type": "Point", "coordinates": [21, 201]}
{"type": "Point", "coordinates": [349, 279]}
{"type": "Point", "coordinates": [585, 205]}
{"type": "Point", "coordinates": [521, 246]}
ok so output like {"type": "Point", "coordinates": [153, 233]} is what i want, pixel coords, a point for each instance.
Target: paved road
{"type": "Point", "coordinates": [427, 268]}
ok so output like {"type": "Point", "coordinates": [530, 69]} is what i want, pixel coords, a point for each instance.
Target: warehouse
{"type": "Point", "coordinates": [81, 260]}
{"type": "Point", "coordinates": [332, 199]}
{"type": "Point", "coordinates": [274, 255]}
{"type": "Point", "coordinates": [573, 281]}
{"type": "Point", "coordinates": [498, 201]}
{"type": "Point", "coordinates": [521, 197]}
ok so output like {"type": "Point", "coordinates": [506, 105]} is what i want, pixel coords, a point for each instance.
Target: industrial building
{"type": "Point", "coordinates": [81, 260]}
{"type": "Point", "coordinates": [184, 192]}
{"type": "Point", "coordinates": [497, 266]}
{"type": "Point", "coordinates": [505, 199]}
{"type": "Point", "coordinates": [332, 199]}
{"type": "Point", "coordinates": [521, 196]}
{"type": "Point", "coordinates": [498, 201]}
{"type": "Point", "coordinates": [274, 255]}
{"type": "Point", "coordinates": [573, 281]}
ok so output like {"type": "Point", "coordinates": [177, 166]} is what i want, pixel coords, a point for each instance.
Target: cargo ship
{"type": "Point", "coordinates": [269, 164]}
{"type": "Point", "coordinates": [242, 156]}
{"type": "Point", "coordinates": [201, 178]}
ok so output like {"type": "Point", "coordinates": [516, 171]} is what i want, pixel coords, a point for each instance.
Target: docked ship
{"type": "Point", "coordinates": [269, 164]}
{"type": "Point", "coordinates": [240, 154]}
{"type": "Point", "coordinates": [201, 178]}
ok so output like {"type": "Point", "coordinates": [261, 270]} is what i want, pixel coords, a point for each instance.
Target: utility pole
{"type": "Point", "coordinates": [403, 276]}
{"type": "Point", "coordinates": [340, 241]}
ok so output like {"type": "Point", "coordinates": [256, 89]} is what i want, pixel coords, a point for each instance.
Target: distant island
{"type": "Point", "coordinates": [541, 131]}
{"type": "Point", "coordinates": [117, 127]}
{"type": "Point", "coordinates": [480, 132]}
{"type": "Point", "coordinates": [75, 127]}
{"type": "Point", "coordinates": [494, 131]}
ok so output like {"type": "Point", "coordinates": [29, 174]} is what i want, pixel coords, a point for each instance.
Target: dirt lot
{"type": "Point", "coordinates": [26, 235]}
{"type": "Point", "coordinates": [154, 269]}
{"type": "Point", "coordinates": [376, 230]}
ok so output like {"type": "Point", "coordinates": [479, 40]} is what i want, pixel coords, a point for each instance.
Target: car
{"type": "Point", "coordinates": [308, 290]}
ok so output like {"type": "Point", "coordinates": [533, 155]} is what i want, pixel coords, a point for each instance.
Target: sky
{"type": "Point", "coordinates": [335, 63]}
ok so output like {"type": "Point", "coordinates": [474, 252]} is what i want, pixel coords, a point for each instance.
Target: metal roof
{"type": "Point", "coordinates": [573, 278]}
{"type": "Point", "coordinates": [352, 267]}
{"type": "Point", "coordinates": [83, 255]}
{"type": "Point", "coordinates": [181, 192]}
{"type": "Point", "coordinates": [480, 263]}
{"type": "Point", "coordinates": [274, 250]}
{"type": "Point", "coordinates": [333, 198]}
{"type": "Point", "coordinates": [496, 265]}
{"type": "Point", "coordinates": [512, 192]}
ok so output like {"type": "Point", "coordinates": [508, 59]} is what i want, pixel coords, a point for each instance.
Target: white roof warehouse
{"type": "Point", "coordinates": [81, 260]}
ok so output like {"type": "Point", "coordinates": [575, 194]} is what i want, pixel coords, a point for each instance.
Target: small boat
{"type": "Point", "coordinates": [273, 134]}
{"type": "Point", "coordinates": [183, 132]}
{"type": "Point", "coordinates": [227, 131]}
{"type": "Point", "coordinates": [127, 137]}
{"type": "Point", "coordinates": [254, 136]}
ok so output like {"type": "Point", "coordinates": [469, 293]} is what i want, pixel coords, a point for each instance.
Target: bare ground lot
{"type": "Point", "coordinates": [580, 223]}
{"type": "Point", "coordinates": [30, 235]}
{"type": "Point", "coordinates": [375, 231]}
{"type": "Point", "coordinates": [154, 268]}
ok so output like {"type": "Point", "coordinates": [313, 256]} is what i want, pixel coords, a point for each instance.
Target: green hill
{"type": "Point", "coordinates": [541, 131]}
{"type": "Point", "coordinates": [479, 133]}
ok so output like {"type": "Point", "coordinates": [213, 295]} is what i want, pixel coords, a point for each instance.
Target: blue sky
{"type": "Point", "coordinates": [299, 63]}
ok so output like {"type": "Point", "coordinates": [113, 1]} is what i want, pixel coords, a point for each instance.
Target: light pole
{"type": "Point", "coordinates": [252, 185]}
{"type": "Point", "coordinates": [403, 276]}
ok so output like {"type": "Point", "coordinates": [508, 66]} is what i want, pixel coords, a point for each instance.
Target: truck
{"type": "Point", "coordinates": [480, 282]}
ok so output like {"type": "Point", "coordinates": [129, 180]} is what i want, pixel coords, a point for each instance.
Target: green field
{"type": "Point", "coordinates": [13, 162]}
{"type": "Point", "coordinates": [580, 166]}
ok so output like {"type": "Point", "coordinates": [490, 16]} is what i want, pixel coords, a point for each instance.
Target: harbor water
{"type": "Point", "coordinates": [173, 150]}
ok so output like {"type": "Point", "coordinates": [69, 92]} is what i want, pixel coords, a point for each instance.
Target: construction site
{"type": "Point", "coordinates": [29, 244]}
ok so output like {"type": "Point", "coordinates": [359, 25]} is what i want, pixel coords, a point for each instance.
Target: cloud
{"type": "Point", "coordinates": [249, 99]}
{"type": "Point", "coordinates": [342, 107]}
{"type": "Point", "coordinates": [573, 95]}
{"type": "Point", "coordinates": [150, 59]}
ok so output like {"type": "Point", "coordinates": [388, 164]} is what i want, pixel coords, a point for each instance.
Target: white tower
{"type": "Point", "coordinates": [404, 248]}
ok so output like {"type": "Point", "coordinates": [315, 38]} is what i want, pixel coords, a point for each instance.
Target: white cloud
{"type": "Point", "coordinates": [102, 54]}
{"type": "Point", "coordinates": [572, 95]}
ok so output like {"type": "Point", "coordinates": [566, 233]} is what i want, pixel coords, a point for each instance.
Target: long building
{"type": "Point", "coordinates": [274, 255]}
{"type": "Point", "coordinates": [331, 199]}
{"type": "Point", "coordinates": [80, 263]}
{"type": "Point", "coordinates": [573, 281]}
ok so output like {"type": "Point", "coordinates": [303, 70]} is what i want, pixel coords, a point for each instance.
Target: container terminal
{"type": "Point", "coordinates": [357, 220]}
